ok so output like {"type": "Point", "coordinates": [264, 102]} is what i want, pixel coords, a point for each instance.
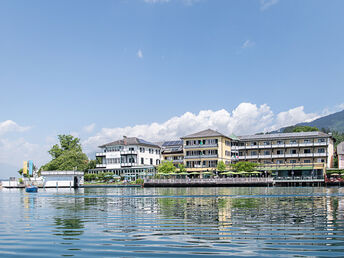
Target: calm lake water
{"type": "Point", "coordinates": [169, 222]}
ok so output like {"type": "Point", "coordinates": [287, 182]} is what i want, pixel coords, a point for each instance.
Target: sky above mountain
{"type": "Point", "coordinates": [160, 69]}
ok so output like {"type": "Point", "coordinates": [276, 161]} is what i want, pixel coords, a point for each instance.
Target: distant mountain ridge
{"type": "Point", "coordinates": [333, 122]}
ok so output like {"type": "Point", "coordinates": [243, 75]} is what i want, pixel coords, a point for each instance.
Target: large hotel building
{"type": "Point", "coordinates": [201, 151]}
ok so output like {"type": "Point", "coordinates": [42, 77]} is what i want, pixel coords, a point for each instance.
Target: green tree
{"type": "Point", "coordinates": [181, 168]}
{"type": "Point", "coordinates": [221, 166]}
{"type": "Point", "coordinates": [305, 129]}
{"type": "Point", "coordinates": [166, 167]}
{"type": "Point", "coordinates": [67, 155]}
{"type": "Point", "coordinates": [245, 166]}
{"type": "Point", "coordinates": [91, 165]}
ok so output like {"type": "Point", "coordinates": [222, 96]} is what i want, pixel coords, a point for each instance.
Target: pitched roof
{"type": "Point", "coordinates": [340, 148]}
{"type": "Point", "coordinates": [283, 135]}
{"type": "Point", "coordinates": [130, 141]}
{"type": "Point", "coordinates": [205, 133]}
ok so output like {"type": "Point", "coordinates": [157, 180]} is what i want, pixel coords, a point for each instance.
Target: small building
{"type": "Point", "coordinates": [173, 151]}
{"type": "Point", "coordinates": [129, 158]}
{"type": "Point", "coordinates": [62, 178]}
{"type": "Point", "coordinates": [340, 153]}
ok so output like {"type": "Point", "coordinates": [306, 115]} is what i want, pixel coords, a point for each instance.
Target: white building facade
{"type": "Point", "coordinates": [62, 179]}
{"type": "Point", "coordinates": [129, 156]}
{"type": "Point", "coordinates": [340, 153]}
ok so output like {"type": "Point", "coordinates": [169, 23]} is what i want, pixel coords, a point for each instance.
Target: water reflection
{"type": "Point", "coordinates": [174, 221]}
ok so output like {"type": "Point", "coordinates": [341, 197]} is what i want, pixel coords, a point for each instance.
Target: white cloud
{"type": "Point", "coordinates": [14, 152]}
{"type": "Point", "coordinates": [246, 118]}
{"type": "Point", "coordinates": [248, 43]}
{"type": "Point", "coordinates": [9, 126]}
{"type": "Point", "coordinates": [89, 128]}
{"type": "Point", "coordinates": [341, 106]}
{"type": "Point", "coordinates": [139, 54]}
{"type": "Point", "coordinates": [265, 4]}
{"type": "Point", "coordinates": [293, 116]}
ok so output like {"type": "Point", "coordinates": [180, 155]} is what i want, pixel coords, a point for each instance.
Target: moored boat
{"type": "Point", "coordinates": [31, 189]}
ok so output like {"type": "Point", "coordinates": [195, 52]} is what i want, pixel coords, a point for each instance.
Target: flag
{"type": "Point", "coordinates": [24, 167]}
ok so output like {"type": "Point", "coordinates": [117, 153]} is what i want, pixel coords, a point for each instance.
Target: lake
{"type": "Point", "coordinates": [170, 222]}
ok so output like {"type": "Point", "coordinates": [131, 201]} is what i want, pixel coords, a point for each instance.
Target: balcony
{"type": "Point", "coordinates": [201, 156]}
{"type": "Point", "coordinates": [129, 152]}
{"type": "Point", "coordinates": [215, 145]}
{"type": "Point", "coordinates": [177, 161]}
{"type": "Point", "coordinates": [127, 164]}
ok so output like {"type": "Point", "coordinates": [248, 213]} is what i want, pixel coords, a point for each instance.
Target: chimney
{"type": "Point", "coordinates": [125, 140]}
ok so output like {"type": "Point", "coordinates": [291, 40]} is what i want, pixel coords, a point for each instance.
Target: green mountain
{"type": "Point", "coordinates": [333, 122]}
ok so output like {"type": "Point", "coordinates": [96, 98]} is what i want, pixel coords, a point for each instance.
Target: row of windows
{"type": "Point", "coordinates": [202, 164]}
{"type": "Point", "coordinates": [280, 142]}
{"type": "Point", "coordinates": [280, 152]}
{"type": "Point", "coordinates": [201, 142]}
{"type": "Point", "coordinates": [151, 151]}
{"type": "Point", "coordinates": [293, 161]}
{"type": "Point", "coordinates": [200, 153]}
{"type": "Point", "coordinates": [175, 158]}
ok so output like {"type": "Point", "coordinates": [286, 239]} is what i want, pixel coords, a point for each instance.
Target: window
{"type": "Point", "coordinates": [292, 161]}
{"type": "Point", "coordinates": [280, 142]}
{"type": "Point", "coordinates": [131, 149]}
{"type": "Point", "coordinates": [227, 153]}
{"type": "Point", "coordinates": [307, 151]}
{"type": "Point", "coordinates": [321, 150]}
{"type": "Point", "coordinates": [253, 143]}
{"type": "Point", "coordinates": [253, 153]}
{"type": "Point", "coordinates": [279, 152]}
{"type": "Point", "coordinates": [151, 161]}
{"type": "Point", "coordinates": [142, 149]}
{"type": "Point", "coordinates": [266, 143]}
{"type": "Point", "coordinates": [157, 162]}
{"type": "Point", "coordinates": [293, 141]}
{"type": "Point", "coordinates": [228, 143]}
{"type": "Point", "coordinates": [142, 161]}
{"type": "Point", "coordinates": [267, 162]}
{"type": "Point", "coordinates": [293, 152]}
{"type": "Point", "coordinates": [306, 141]}
{"type": "Point", "coordinates": [321, 140]}
{"type": "Point", "coordinates": [307, 161]}
{"type": "Point", "coordinates": [279, 161]}
{"type": "Point", "coordinates": [267, 152]}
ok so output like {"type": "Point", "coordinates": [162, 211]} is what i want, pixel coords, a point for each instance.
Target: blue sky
{"type": "Point", "coordinates": [98, 69]}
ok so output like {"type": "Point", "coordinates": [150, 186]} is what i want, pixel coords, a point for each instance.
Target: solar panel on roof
{"type": "Point", "coordinates": [145, 142]}
{"type": "Point", "coordinates": [172, 143]}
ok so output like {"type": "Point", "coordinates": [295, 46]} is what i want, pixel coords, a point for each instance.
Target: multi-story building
{"type": "Point", "coordinates": [284, 148]}
{"type": "Point", "coordinates": [128, 157]}
{"type": "Point", "coordinates": [340, 153]}
{"type": "Point", "coordinates": [173, 151]}
{"type": "Point", "coordinates": [203, 150]}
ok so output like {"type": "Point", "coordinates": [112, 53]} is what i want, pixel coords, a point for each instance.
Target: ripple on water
{"type": "Point", "coordinates": [170, 222]}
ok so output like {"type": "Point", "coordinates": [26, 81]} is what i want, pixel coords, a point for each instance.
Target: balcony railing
{"type": "Point", "coordinates": [98, 154]}
{"type": "Point", "coordinates": [126, 152]}
{"type": "Point", "coordinates": [287, 145]}
{"type": "Point", "coordinates": [128, 164]}
{"type": "Point", "coordinates": [286, 155]}
{"type": "Point", "coordinates": [101, 165]}
{"type": "Point", "coordinates": [201, 156]}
